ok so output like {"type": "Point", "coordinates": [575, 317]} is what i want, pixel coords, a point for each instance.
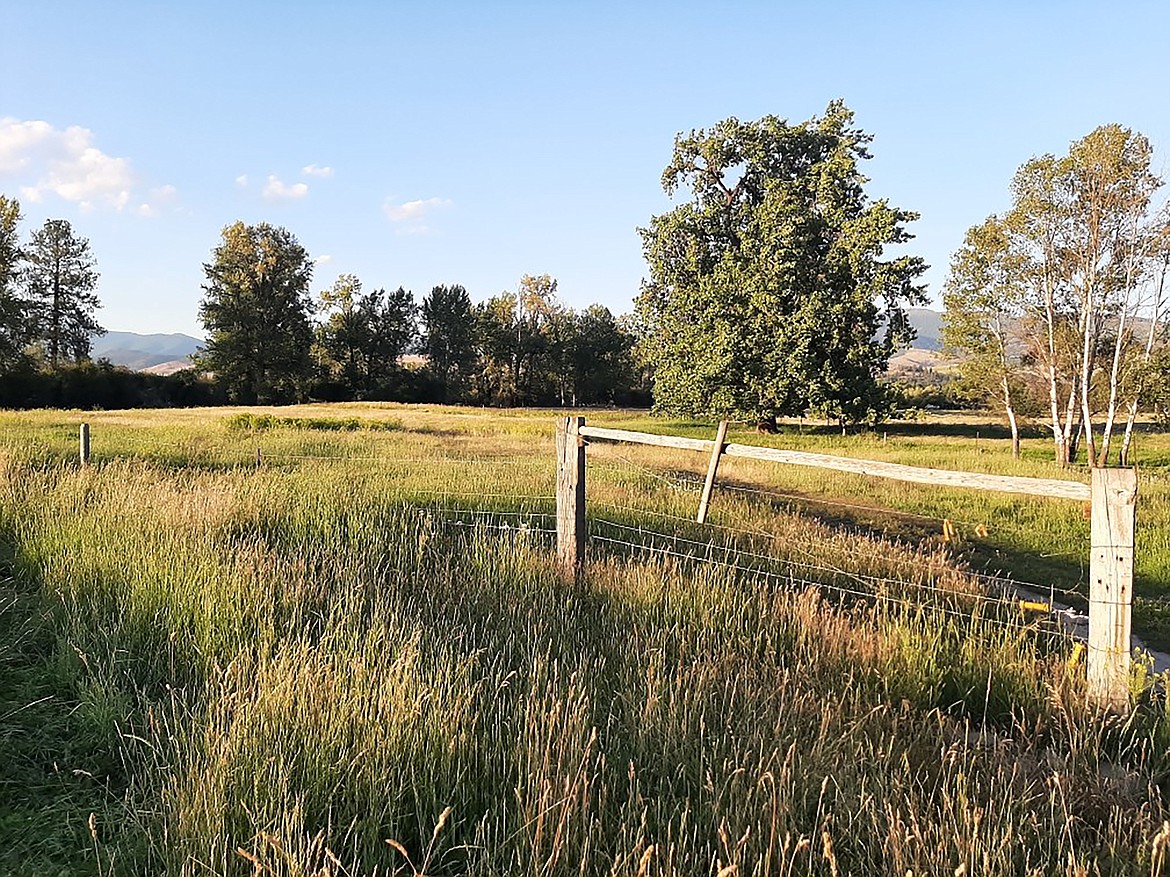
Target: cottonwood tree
{"type": "Point", "coordinates": [59, 276]}
{"type": "Point", "coordinates": [363, 335]}
{"type": "Point", "coordinates": [769, 290]}
{"type": "Point", "coordinates": [341, 336]}
{"type": "Point", "coordinates": [600, 357]}
{"type": "Point", "coordinates": [391, 330]}
{"type": "Point", "coordinates": [515, 334]}
{"type": "Point", "coordinates": [984, 302]}
{"type": "Point", "coordinates": [448, 338]}
{"type": "Point", "coordinates": [256, 313]}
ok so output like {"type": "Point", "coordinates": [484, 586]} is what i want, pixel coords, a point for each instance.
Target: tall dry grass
{"type": "Point", "coordinates": [290, 671]}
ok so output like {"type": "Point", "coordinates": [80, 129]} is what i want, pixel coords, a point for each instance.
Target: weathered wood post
{"type": "Point", "coordinates": [712, 468]}
{"type": "Point", "coordinates": [571, 497]}
{"type": "Point", "coordinates": [83, 444]}
{"type": "Point", "coordinates": [1111, 538]}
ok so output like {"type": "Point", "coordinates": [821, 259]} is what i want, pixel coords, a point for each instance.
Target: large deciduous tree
{"type": "Point", "coordinates": [448, 338]}
{"type": "Point", "coordinates": [59, 278]}
{"type": "Point", "coordinates": [769, 290]}
{"type": "Point", "coordinates": [256, 310]}
{"type": "Point", "coordinates": [364, 334]}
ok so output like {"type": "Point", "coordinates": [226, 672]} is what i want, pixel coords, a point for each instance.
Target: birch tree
{"type": "Point", "coordinates": [1080, 230]}
{"type": "Point", "coordinates": [984, 300]}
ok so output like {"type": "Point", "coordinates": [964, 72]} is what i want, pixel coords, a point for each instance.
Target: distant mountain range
{"type": "Point", "coordinates": [142, 352]}
{"type": "Point", "coordinates": [165, 354]}
{"type": "Point", "coordinates": [928, 324]}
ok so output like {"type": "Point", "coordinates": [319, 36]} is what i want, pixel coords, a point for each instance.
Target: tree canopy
{"type": "Point", "coordinates": [768, 291]}
{"type": "Point", "coordinates": [448, 339]}
{"type": "Point", "coordinates": [15, 328]}
{"type": "Point", "coordinates": [59, 278]}
{"type": "Point", "coordinates": [256, 312]}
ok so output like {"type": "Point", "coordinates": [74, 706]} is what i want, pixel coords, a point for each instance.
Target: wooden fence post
{"type": "Point", "coordinates": [83, 444]}
{"type": "Point", "coordinates": [712, 468]}
{"type": "Point", "coordinates": [571, 497]}
{"type": "Point", "coordinates": [1114, 500]}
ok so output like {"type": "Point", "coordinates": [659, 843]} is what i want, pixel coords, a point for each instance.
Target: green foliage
{"type": "Point", "coordinates": [1071, 257]}
{"type": "Point", "coordinates": [255, 311]}
{"type": "Point", "coordinates": [15, 325]}
{"type": "Point", "coordinates": [363, 336]}
{"type": "Point", "coordinates": [448, 338]}
{"type": "Point", "coordinates": [59, 276]}
{"type": "Point", "coordinates": [948, 396]}
{"type": "Point", "coordinates": [535, 350]}
{"type": "Point", "coordinates": [251, 422]}
{"type": "Point", "coordinates": [768, 293]}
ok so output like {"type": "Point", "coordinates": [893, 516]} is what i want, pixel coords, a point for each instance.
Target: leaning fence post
{"type": "Point", "coordinates": [1111, 537]}
{"type": "Point", "coordinates": [712, 468]}
{"type": "Point", "coordinates": [570, 497]}
{"type": "Point", "coordinates": [83, 444]}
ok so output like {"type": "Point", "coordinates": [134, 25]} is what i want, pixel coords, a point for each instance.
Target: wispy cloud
{"type": "Point", "coordinates": [323, 260]}
{"type": "Point", "coordinates": [408, 215]}
{"type": "Point", "coordinates": [158, 197]}
{"type": "Point", "coordinates": [316, 170]}
{"type": "Point", "coordinates": [276, 190]}
{"type": "Point", "coordinates": [44, 160]}
{"type": "Point", "coordinates": [242, 181]}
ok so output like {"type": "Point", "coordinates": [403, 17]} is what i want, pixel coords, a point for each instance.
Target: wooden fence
{"type": "Point", "coordinates": [1112, 494]}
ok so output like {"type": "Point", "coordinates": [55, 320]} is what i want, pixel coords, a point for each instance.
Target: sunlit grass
{"type": "Point", "coordinates": [282, 668]}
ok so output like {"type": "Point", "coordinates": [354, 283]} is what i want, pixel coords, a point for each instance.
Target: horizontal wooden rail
{"type": "Point", "coordinates": [1048, 487]}
{"type": "Point", "coordinates": [645, 438]}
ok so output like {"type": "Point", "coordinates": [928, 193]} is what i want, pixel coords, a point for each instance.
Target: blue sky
{"type": "Point", "coordinates": [424, 143]}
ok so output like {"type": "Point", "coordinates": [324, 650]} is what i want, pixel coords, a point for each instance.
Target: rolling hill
{"type": "Point", "coordinates": [139, 352]}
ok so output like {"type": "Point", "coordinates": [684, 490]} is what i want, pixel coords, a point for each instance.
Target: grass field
{"type": "Point", "coordinates": [357, 657]}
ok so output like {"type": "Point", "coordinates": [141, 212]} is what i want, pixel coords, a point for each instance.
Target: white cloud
{"type": "Point", "coordinates": [242, 181]}
{"type": "Point", "coordinates": [322, 260]}
{"type": "Point", "coordinates": [65, 163]}
{"type": "Point", "coordinates": [18, 140]}
{"type": "Point", "coordinates": [412, 211]}
{"type": "Point", "coordinates": [159, 197]}
{"type": "Point", "coordinates": [276, 190]}
{"type": "Point", "coordinates": [313, 170]}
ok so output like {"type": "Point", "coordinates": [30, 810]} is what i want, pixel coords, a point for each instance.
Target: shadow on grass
{"type": "Point", "coordinates": [59, 764]}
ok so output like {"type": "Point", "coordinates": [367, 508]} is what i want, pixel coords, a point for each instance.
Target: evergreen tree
{"type": "Point", "coordinates": [59, 278]}
{"type": "Point", "coordinates": [15, 327]}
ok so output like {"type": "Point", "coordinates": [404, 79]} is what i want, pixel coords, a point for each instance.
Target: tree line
{"type": "Point", "coordinates": [271, 341]}
{"type": "Point", "coordinates": [47, 298]}
{"type": "Point", "coordinates": [777, 287]}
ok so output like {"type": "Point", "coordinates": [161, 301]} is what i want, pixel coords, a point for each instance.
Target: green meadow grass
{"type": "Point", "coordinates": [358, 658]}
